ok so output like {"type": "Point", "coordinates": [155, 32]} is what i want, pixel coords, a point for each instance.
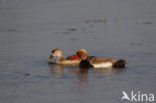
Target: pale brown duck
{"type": "Point", "coordinates": [70, 60]}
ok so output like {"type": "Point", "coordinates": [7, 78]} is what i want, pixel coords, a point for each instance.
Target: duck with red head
{"type": "Point", "coordinates": [99, 62]}
{"type": "Point", "coordinates": [70, 60]}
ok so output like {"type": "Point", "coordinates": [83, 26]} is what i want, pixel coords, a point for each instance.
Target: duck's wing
{"type": "Point", "coordinates": [70, 57]}
{"type": "Point", "coordinates": [103, 60]}
{"type": "Point", "coordinates": [70, 62]}
{"type": "Point", "coordinates": [108, 62]}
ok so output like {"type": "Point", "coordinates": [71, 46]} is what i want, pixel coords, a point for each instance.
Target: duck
{"type": "Point", "coordinates": [70, 60]}
{"type": "Point", "coordinates": [98, 62]}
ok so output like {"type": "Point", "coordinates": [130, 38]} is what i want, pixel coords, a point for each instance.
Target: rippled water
{"type": "Point", "coordinates": [30, 29]}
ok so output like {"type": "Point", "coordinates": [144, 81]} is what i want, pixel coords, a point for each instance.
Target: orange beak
{"type": "Point", "coordinates": [51, 57]}
{"type": "Point", "coordinates": [75, 57]}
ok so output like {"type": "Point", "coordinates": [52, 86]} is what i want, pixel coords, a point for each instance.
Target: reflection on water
{"type": "Point", "coordinates": [81, 78]}
{"type": "Point", "coordinates": [81, 83]}
{"type": "Point", "coordinates": [109, 71]}
{"type": "Point", "coordinates": [82, 73]}
{"type": "Point", "coordinates": [57, 70]}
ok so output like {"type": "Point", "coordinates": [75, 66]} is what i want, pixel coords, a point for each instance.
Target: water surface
{"type": "Point", "coordinates": [30, 29]}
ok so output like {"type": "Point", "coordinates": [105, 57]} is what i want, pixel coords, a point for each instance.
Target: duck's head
{"type": "Point", "coordinates": [82, 54]}
{"type": "Point", "coordinates": [55, 53]}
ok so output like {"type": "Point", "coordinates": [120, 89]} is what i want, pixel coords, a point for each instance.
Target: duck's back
{"type": "Point", "coordinates": [70, 57]}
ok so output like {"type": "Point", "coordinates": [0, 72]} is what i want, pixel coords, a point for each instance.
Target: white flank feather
{"type": "Point", "coordinates": [103, 65]}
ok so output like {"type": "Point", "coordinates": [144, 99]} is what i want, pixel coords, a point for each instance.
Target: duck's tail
{"type": "Point", "coordinates": [120, 64]}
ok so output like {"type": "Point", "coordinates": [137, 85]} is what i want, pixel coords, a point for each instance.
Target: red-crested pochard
{"type": "Point", "coordinates": [70, 60]}
{"type": "Point", "coordinates": [98, 62]}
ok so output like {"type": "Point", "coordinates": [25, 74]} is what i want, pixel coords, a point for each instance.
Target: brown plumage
{"type": "Point", "coordinates": [104, 59]}
{"type": "Point", "coordinates": [99, 62]}
{"type": "Point", "coordinates": [60, 58]}
{"type": "Point", "coordinates": [70, 57]}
